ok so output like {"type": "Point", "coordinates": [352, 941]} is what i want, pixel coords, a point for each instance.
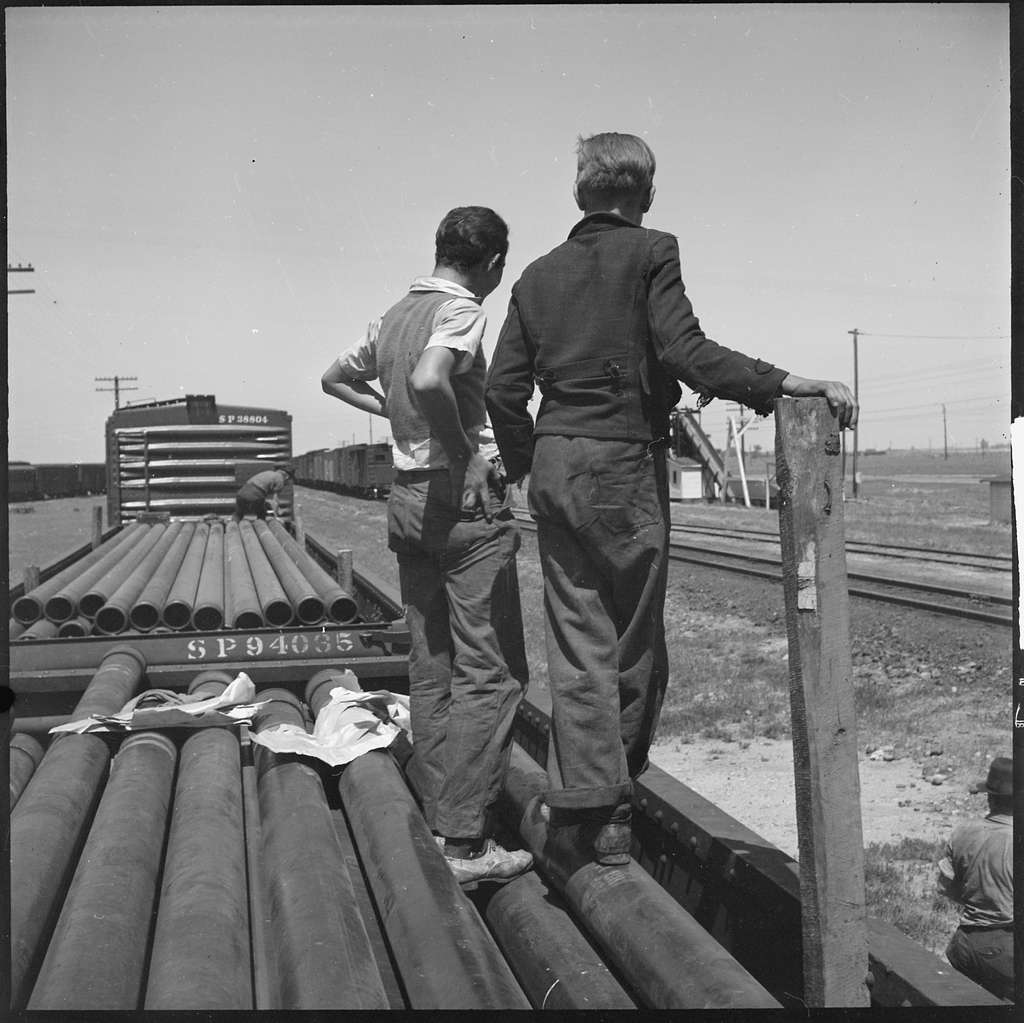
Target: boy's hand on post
{"type": "Point", "coordinates": [839, 397]}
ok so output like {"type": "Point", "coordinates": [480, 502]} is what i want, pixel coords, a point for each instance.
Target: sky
{"type": "Point", "coordinates": [217, 200]}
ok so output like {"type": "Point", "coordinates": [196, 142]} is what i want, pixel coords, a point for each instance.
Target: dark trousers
{"type": "Point", "coordinates": [602, 513]}
{"type": "Point", "coordinates": [985, 954]}
{"type": "Point", "coordinates": [250, 501]}
{"type": "Point", "coordinates": [467, 666]}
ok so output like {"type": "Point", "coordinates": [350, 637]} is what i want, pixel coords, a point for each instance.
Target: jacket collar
{"type": "Point", "coordinates": [594, 222]}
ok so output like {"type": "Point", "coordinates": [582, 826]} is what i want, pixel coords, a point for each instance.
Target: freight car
{"type": "Point", "coordinates": [27, 482]}
{"type": "Point", "coordinates": [192, 868]}
{"type": "Point", "coordinates": [366, 470]}
{"type": "Point", "coordinates": [188, 456]}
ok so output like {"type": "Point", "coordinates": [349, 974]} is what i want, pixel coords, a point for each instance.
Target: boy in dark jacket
{"type": "Point", "coordinates": [603, 326]}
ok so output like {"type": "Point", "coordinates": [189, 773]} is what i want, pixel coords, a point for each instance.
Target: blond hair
{"type": "Point", "coordinates": [611, 164]}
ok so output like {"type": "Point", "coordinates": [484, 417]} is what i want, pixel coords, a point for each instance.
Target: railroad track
{"type": "Point", "coordinates": [949, 600]}
{"type": "Point", "coordinates": [967, 559]}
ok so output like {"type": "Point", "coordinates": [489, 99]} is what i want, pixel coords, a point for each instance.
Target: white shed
{"type": "Point", "coordinates": [685, 480]}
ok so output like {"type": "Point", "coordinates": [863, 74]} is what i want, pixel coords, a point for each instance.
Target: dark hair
{"type": "Point", "coordinates": [611, 164]}
{"type": "Point", "coordinates": [468, 235]}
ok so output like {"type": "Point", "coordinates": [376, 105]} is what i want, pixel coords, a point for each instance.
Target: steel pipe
{"type": "Point", "coordinates": [200, 957]}
{"type": "Point", "coordinates": [367, 910]}
{"type": "Point", "coordinates": [53, 814]}
{"type": "Point", "coordinates": [15, 628]}
{"type": "Point", "coordinates": [97, 956]}
{"type": "Point", "coordinates": [103, 588]}
{"type": "Point", "coordinates": [75, 628]}
{"type": "Point", "coordinates": [339, 605]}
{"type": "Point", "coordinates": [42, 629]}
{"type": "Point", "coordinates": [208, 612]}
{"type": "Point", "coordinates": [274, 603]}
{"type": "Point", "coordinates": [324, 953]}
{"type": "Point", "coordinates": [145, 613]}
{"type": "Point", "coordinates": [556, 965]}
{"type": "Point", "coordinates": [445, 954]}
{"type": "Point", "coordinates": [25, 754]}
{"type": "Point", "coordinates": [665, 956]}
{"type": "Point", "coordinates": [206, 684]}
{"type": "Point", "coordinates": [309, 608]}
{"type": "Point", "coordinates": [177, 610]}
{"type": "Point", "coordinates": [210, 682]}
{"type": "Point", "coordinates": [112, 617]}
{"type": "Point", "coordinates": [63, 604]}
{"type": "Point", "coordinates": [242, 605]}
{"type": "Point", "coordinates": [29, 607]}
{"type": "Point", "coordinates": [40, 724]}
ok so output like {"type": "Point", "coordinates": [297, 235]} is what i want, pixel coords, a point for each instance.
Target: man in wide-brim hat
{"type": "Point", "coordinates": [977, 872]}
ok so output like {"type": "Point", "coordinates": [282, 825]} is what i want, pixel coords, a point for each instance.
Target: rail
{"type": "Point", "coordinates": [879, 588]}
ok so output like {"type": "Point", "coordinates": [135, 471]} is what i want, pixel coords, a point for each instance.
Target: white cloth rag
{"type": "Point", "coordinates": [162, 708]}
{"type": "Point", "coordinates": [349, 724]}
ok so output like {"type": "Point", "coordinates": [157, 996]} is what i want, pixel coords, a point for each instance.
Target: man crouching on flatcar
{"type": "Point", "coordinates": [452, 529]}
{"type": "Point", "coordinates": [253, 494]}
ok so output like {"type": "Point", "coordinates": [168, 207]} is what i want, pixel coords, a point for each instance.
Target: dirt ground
{"type": "Point", "coordinates": [754, 784]}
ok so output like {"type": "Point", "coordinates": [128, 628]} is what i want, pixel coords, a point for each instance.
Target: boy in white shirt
{"type": "Point", "coordinates": [454, 535]}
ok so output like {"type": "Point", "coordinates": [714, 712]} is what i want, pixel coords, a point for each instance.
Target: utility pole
{"type": "Point", "coordinates": [945, 439]}
{"type": "Point", "coordinates": [117, 388]}
{"type": "Point", "coordinates": [19, 269]}
{"type": "Point", "coordinates": [856, 394]}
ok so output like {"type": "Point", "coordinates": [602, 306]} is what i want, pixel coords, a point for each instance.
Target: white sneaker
{"type": "Point", "coordinates": [493, 864]}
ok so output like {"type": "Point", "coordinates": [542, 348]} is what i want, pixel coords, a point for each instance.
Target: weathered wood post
{"type": "Point", "coordinates": [831, 843]}
{"type": "Point", "coordinates": [343, 568]}
{"type": "Point", "coordinates": [97, 526]}
{"type": "Point", "coordinates": [30, 575]}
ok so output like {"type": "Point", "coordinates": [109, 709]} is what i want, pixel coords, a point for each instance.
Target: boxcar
{"type": "Point", "coordinates": [180, 456]}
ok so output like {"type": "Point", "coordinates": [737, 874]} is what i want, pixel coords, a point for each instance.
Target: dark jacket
{"type": "Point", "coordinates": [603, 326]}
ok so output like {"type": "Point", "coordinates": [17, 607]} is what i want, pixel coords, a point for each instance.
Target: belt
{"type": "Point", "coordinates": [418, 475]}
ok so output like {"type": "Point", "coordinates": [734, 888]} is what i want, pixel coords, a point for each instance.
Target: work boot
{"type": "Point", "coordinates": [614, 838]}
{"type": "Point", "coordinates": [599, 835]}
{"type": "Point", "coordinates": [492, 864]}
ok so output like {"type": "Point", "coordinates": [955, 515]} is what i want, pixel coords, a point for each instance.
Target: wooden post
{"type": "Point", "coordinates": [31, 577]}
{"type": "Point", "coordinates": [300, 533]}
{"type": "Point", "coordinates": [830, 838]}
{"type": "Point", "coordinates": [97, 526]}
{"type": "Point", "coordinates": [343, 560]}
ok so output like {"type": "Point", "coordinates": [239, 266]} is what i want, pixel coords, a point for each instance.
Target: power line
{"type": "Point", "coordinates": [933, 404]}
{"type": "Point", "coordinates": [117, 388]}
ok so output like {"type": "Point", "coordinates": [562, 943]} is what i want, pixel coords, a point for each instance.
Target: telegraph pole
{"type": "Point", "coordinates": [856, 394]}
{"type": "Point", "coordinates": [19, 269]}
{"type": "Point", "coordinates": [117, 388]}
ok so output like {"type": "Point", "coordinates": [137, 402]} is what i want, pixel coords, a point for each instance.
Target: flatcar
{"type": "Point", "coordinates": [269, 881]}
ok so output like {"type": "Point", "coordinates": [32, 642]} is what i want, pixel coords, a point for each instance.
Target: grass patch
{"type": "Point", "coordinates": [899, 881]}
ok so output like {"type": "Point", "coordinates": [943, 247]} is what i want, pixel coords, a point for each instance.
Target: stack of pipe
{"type": "Point", "coordinates": [53, 814]}
{"type": "Point", "coordinates": [667, 958]}
{"type": "Point", "coordinates": [446, 956]}
{"type": "Point", "coordinates": [28, 608]}
{"type": "Point", "coordinates": [324, 954]}
{"type": "Point", "coordinates": [184, 575]}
